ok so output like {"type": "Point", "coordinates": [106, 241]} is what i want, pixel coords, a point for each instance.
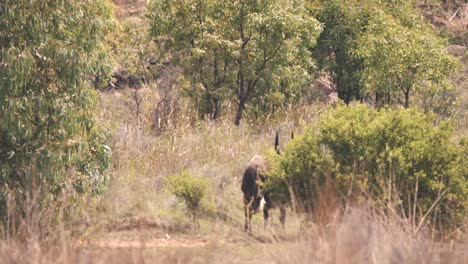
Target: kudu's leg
{"type": "Point", "coordinates": [265, 216]}
{"type": "Point", "coordinates": [250, 219]}
{"type": "Point", "coordinates": [282, 216]}
{"type": "Point", "coordinates": [248, 214]}
{"type": "Point", "coordinates": [246, 217]}
{"type": "Point", "coordinates": [197, 222]}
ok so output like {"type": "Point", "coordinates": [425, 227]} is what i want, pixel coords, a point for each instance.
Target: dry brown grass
{"type": "Point", "coordinates": [457, 21]}
{"type": "Point", "coordinates": [360, 235]}
{"type": "Point", "coordinates": [130, 7]}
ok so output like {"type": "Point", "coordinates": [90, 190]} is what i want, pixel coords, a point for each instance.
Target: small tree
{"type": "Point", "coordinates": [251, 51]}
{"type": "Point", "coordinates": [190, 190]}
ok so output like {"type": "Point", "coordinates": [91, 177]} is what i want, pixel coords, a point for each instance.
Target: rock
{"type": "Point", "coordinates": [456, 50]}
{"type": "Point", "coordinates": [325, 84]}
{"type": "Point", "coordinates": [332, 98]}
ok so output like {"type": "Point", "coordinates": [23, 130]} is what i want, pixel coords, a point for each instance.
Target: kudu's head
{"type": "Point", "coordinates": [259, 203]}
{"type": "Point", "coordinates": [277, 141]}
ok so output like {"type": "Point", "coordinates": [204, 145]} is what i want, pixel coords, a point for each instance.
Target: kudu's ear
{"type": "Point", "coordinates": [277, 143]}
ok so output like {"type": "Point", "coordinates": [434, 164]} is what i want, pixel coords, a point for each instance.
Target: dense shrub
{"type": "Point", "coordinates": [399, 158]}
{"type": "Point", "coordinates": [191, 190]}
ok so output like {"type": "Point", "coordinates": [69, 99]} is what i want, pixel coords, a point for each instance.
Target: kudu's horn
{"type": "Point", "coordinates": [277, 143]}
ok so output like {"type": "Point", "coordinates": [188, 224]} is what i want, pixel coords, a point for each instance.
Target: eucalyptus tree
{"type": "Point", "coordinates": [254, 52]}
{"type": "Point", "coordinates": [50, 145]}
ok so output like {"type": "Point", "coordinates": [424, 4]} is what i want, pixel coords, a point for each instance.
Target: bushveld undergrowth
{"type": "Point", "coordinates": [219, 151]}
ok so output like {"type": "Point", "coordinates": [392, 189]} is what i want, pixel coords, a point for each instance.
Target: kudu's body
{"type": "Point", "coordinates": [254, 195]}
{"type": "Point", "coordinates": [251, 188]}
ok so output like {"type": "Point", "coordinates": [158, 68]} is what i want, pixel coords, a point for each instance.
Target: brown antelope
{"type": "Point", "coordinates": [251, 188]}
{"type": "Point", "coordinates": [254, 196]}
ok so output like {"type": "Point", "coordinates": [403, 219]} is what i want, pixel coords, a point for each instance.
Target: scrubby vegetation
{"type": "Point", "coordinates": [183, 93]}
{"type": "Point", "coordinates": [190, 190]}
{"type": "Point", "coordinates": [396, 157]}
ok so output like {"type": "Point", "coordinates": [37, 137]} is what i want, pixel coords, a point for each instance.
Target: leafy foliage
{"type": "Point", "coordinates": [253, 51]}
{"type": "Point", "coordinates": [50, 145]}
{"type": "Point", "coordinates": [189, 189]}
{"type": "Point", "coordinates": [343, 23]}
{"type": "Point", "coordinates": [399, 157]}
{"type": "Point", "coordinates": [399, 60]}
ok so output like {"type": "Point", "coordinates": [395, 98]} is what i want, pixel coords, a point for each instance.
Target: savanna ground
{"type": "Point", "coordinates": [137, 220]}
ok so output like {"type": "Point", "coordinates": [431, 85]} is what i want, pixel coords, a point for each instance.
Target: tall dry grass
{"type": "Point", "coordinates": [358, 235]}
{"type": "Point", "coordinates": [129, 7]}
{"type": "Point", "coordinates": [142, 158]}
{"type": "Point", "coordinates": [457, 21]}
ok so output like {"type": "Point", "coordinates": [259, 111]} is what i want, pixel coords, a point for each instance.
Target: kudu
{"type": "Point", "coordinates": [254, 195]}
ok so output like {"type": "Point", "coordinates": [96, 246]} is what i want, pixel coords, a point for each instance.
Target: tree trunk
{"type": "Point", "coordinates": [407, 92]}
{"type": "Point", "coordinates": [240, 111]}
{"type": "Point", "coordinates": [379, 99]}
{"type": "Point", "coordinates": [216, 108]}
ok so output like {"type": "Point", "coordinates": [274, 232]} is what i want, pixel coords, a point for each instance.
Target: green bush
{"type": "Point", "coordinates": [191, 190]}
{"type": "Point", "coordinates": [398, 157]}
